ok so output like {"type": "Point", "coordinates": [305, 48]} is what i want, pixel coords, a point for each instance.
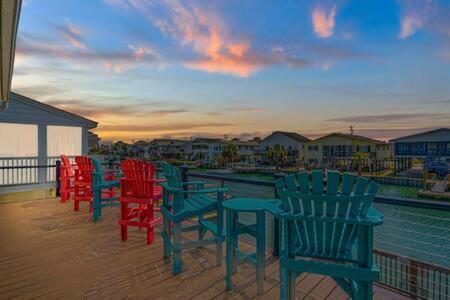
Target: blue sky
{"type": "Point", "coordinates": [146, 69]}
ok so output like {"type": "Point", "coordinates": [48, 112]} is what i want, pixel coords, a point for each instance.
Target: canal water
{"type": "Point", "coordinates": [418, 233]}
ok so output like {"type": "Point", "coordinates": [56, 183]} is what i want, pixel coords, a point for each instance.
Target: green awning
{"type": "Point", "coordinates": [9, 21]}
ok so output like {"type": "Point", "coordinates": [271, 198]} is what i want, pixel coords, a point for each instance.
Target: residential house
{"type": "Point", "coordinates": [292, 142]}
{"type": "Point", "coordinates": [339, 149]}
{"type": "Point", "coordinates": [168, 148]}
{"type": "Point", "coordinates": [33, 133]}
{"type": "Point", "coordinates": [246, 149]}
{"type": "Point", "coordinates": [430, 146]}
{"type": "Point", "coordinates": [205, 148]}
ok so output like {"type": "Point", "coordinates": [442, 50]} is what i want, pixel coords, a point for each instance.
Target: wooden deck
{"type": "Point", "coordinates": [48, 251]}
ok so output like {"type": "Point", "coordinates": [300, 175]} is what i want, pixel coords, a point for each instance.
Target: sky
{"type": "Point", "coordinates": [147, 69]}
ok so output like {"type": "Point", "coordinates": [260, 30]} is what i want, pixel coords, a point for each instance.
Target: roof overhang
{"type": "Point", "coordinates": [9, 21]}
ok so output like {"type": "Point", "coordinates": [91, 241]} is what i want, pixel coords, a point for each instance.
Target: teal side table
{"type": "Point", "coordinates": [234, 228]}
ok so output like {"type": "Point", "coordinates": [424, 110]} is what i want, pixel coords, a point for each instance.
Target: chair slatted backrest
{"type": "Point", "coordinates": [98, 175]}
{"type": "Point", "coordinates": [66, 166]}
{"type": "Point", "coordinates": [174, 182]}
{"type": "Point", "coordinates": [84, 170]}
{"type": "Point", "coordinates": [137, 174]}
{"type": "Point", "coordinates": [323, 215]}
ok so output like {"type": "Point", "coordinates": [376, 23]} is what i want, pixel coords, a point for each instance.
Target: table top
{"type": "Point", "coordinates": [253, 205]}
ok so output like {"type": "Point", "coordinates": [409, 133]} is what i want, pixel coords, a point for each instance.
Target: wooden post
{"type": "Point", "coordinates": [58, 178]}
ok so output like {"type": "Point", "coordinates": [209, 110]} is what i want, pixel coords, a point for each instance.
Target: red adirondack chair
{"type": "Point", "coordinates": [139, 195]}
{"type": "Point", "coordinates": [66, 179]}
{"type": "Point", "coordinates": [83, 182]}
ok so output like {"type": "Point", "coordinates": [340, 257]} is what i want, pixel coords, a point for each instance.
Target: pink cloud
{"type": "Point", "coordinates": [323, 21]}
{"type": "Point", "coordinates": [409, 25]}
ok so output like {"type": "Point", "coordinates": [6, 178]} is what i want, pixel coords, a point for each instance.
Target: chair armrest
{"type": "Point", "coordinates": [373, 212]}
{"type": "Point", "coordinates": [171, 189]}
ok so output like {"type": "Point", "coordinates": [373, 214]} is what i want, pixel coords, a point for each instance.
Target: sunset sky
{"type": "Point", "coordinates": [146, 69]}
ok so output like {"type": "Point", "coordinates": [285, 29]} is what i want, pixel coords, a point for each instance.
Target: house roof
{"type": "Point", "coordinates": [295, 136]}
{"type": "Point", "coordinates": [51, 109]}
{"type": "Point", "coordinates": [437, 134]}
{"type": "Point", "coordinates": [351, 136]}
{"type": "Point", "coordinates": [208, 140]}
{"type": "Point", "coordinates": [245, 143]}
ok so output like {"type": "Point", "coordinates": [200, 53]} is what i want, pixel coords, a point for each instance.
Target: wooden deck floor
{"type": "Point", "coordinates": [48, 251]}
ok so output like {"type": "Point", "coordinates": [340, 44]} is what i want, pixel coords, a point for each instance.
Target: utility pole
{"type": "Point", "coordinates": [225, 136]}
{"type": "Point", "coordinates": [351, 130]}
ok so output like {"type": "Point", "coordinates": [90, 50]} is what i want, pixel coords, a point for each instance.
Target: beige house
{"type": "Point", "coordinates": [338, 149]}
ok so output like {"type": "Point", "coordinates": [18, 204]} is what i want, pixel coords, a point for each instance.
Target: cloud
{"type": "Point", "coordinates": [409, 25]}
{"type": "Point", "coordinates": [72, 34]}
{"type": "Point", "coordinates": [383, 118]}
{"type": "Point", "coordinates": [323, 21]}
{"type": "Point", "coordinates": [110, 60]}
{"type": "Point", "coordinates": [93, 108]}
{"type": "Point", "coordinates": [215, 48]}
{"type": "Point", "coordinates": [161, 127]}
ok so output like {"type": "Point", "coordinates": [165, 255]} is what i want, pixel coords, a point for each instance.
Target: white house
{"type": "Point", "coordinates": [205, 148]}
{"type": "Point", "coordinates": [292, 142]}
{"type": "Point", "coordinates": [36, 134]}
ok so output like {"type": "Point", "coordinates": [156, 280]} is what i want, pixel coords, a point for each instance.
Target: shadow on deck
{"type": "Point", "coordinates": [48, 251]}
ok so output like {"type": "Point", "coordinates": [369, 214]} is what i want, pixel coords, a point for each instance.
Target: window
{"type": "Point", "coordinates": [63, 140]}
{"type": "Point", "coordinates": [313, 148]}
{"type": "Point", "coordinates": [18, 140]}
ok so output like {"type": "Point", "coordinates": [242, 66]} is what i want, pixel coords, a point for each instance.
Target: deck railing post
{"type": "Point", "coordinates": [58, 178]}
{"type": "Point", "coordinates": [413, 277]}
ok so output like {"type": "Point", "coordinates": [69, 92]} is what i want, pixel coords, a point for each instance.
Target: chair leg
{"type": "Point", "coordinates": [166, 230]}
{"type": "Point", "coordinates": [123, 227]}
{"type": "Point", "coordinates": [177, 263]}
{"type": "Point", "coordinates": [260, 251]}
{"type": "Point", "coordinates": [149, 221]}
{"type": "Point", "coordinates": [364, 290]}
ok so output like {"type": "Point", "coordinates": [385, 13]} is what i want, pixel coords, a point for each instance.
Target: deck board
{"type": "Point", "coordinates": [48, 251]}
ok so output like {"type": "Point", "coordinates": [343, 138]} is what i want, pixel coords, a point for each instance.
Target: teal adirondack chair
{"type": "Point", "coordinates": [328, 232]}
{"type": "Point", "coordinates": [183, 201]}
{"type": "Point", "coordinates": [103, 190]}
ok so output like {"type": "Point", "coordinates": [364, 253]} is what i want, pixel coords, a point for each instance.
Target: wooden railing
{"type": "Point", "coordinates": [412, 277]}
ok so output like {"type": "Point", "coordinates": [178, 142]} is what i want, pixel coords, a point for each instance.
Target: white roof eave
{"type": "Point", "coordinates": [9, 21]}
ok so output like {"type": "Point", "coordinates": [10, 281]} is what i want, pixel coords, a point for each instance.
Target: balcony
{"type": "Point", "coordinates": [52, 252]}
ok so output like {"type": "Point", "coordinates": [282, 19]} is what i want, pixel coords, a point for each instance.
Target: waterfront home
{"type": "Point", "coordinates": [139, 149]}
{"type": "Point", "coordinates": [292, 142]}
{"type": "Point", "coordinates": [246, 149]}
{"type": "Point", "coordinates": [205, 148]}
{"type": "Point", "coordinates": [34, 133]}
{"type": "Point", "coordinates": [339, 149]}
{"type": "Point", "coordinates": [430, 146]}
{"type": "Point", "coordinates": [168, 148]}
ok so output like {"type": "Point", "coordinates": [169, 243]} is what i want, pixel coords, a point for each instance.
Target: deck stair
{"type": "Point", "coordinates": [440, 186]}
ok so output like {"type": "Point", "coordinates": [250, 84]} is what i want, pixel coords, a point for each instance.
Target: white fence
{"type": "Point", "coordinates": [25, 170]}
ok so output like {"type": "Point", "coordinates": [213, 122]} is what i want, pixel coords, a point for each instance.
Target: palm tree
{"type": "Point", "coordinates": [360, 157]}
{"type": "Point", "coordinates": [230, 152]}
{"type": "Point", "coordinates": [277, 155]}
